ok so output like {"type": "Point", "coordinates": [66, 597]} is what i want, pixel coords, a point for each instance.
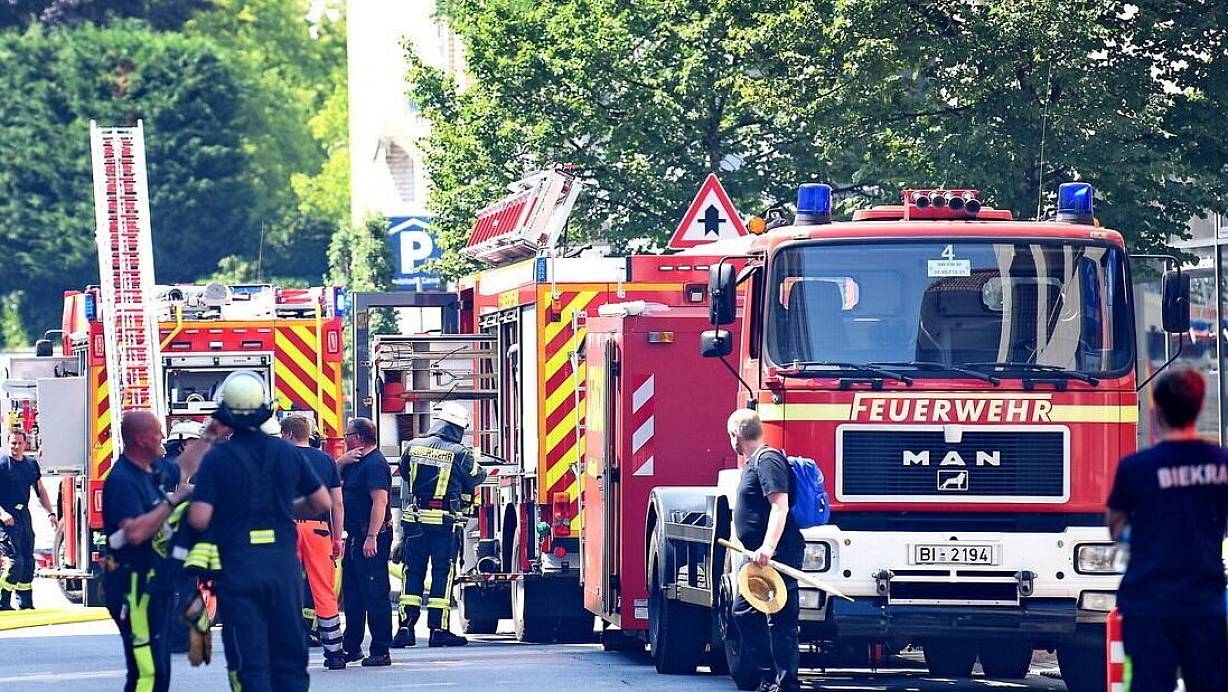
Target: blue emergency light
{"type": "Point", "coordinates": [813, 204]}
{"type": "Point", "coordinates": [91, 308]}
{"type": "Point", "coordinates": [1074, 202]}
{"type": "Point", "coordinates": [341, 302]}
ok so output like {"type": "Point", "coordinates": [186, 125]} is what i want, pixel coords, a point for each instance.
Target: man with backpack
{"type": "Point", "coordinates": [764, 524]}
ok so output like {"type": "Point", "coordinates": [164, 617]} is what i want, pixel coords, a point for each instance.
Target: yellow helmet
{"type": "Point", "coordinates": [243, 400]}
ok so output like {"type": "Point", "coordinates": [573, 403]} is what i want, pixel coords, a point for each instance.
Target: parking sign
{"type": "Point", "coordinates": [412, 247]}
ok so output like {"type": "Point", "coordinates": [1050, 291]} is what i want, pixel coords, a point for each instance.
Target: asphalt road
{"type": "Point", "coordinates": [88, 657]}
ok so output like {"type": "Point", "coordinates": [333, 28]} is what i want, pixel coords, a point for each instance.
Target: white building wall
{"type": "Point", "coordinates": [387, 174]}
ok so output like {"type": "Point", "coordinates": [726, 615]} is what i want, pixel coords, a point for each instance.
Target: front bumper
{"type": "Point", "coordinates": [1034, 619]}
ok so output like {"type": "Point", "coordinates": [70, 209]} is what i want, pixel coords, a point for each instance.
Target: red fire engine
{"type": "Point", "coordinates": [966, 383]}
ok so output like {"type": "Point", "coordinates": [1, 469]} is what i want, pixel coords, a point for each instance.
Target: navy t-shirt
{"type": "Point", "coordinates": [325, 468]}
{"type": "Point", "coordinates": [766, 473]}
{"type": "Point", "coordinates": [1176, 497]}
{"type": "Point", "coordinates": [225, 482]}
{"type": "Point", "coordinates": [370, 472]}
{"type": "Point", "coordinates": [17, 479]}
{"type": "Point", "coordinates": [128, 493]}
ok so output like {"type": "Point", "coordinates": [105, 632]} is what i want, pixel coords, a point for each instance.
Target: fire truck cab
{"type": "Point", "coordinates": [966, 383]}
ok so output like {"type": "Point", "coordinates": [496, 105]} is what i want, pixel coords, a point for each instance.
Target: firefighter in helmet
{"type": "Point", "coordinates": [439, 472]}
{"type": "Point", "coordinates": [248, 491]}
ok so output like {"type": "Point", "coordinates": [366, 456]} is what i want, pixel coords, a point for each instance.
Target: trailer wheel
{"type": "Point", "coordinates": [528, 629]}
{"type": "Point", "coordinates": [1083, 660]}
{"type": "Point", "coordinates": [950, 659]}
{"type": "Point", "coordinates": [1009, 659]}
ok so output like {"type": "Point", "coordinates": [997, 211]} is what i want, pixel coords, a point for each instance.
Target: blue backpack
{"type": "Point", "coordinates": [810, 508]}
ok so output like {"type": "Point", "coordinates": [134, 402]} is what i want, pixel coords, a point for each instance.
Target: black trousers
{"type": "Point", "coordinates": [18, 548]}
{"type": "Point", "coordinates": [771, 640]}
{"type": "Point", "coordinates": [1158, 646]}
{"type": "Point", "coordinates": [364, 589]}
{"type": "Point", "coordinates": [142, 614]}
{"type": "Point", "coordinates": [262, 632]}
{"type": "Point", "coordinates": [436, 544]}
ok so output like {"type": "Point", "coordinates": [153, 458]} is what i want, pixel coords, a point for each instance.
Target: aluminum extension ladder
{"type": "Point", "coordinates": [126, 271]}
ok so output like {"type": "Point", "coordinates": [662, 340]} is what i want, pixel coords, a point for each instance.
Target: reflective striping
{"type": "Point", "coordinates": [821, 412]}
{"type": "Point", "coordinates": [1062, 413]}
{"type": "Point", "coordinates": [1059, 413]}
{"type": "Point", "coordinates": [261, 536]}
{"type": "Point", "coordinates": [301, 382]}
{"type": "Point", "coordinates": [563, 400]}
{"type": "Point", "coordinates": [1117, 652]}
{"type": "Point", "coordinates": [103, 445]}
{"type": "Point", "coordinates": [646, 469]}
{"type": "Point", "coordinates": [555, 472]}
{"type": "Point", "coordinates": [642, 435]}
{"type": "Point", "coordinates": [643, 393]}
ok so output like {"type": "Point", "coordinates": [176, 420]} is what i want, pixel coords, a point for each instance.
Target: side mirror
{"type": "Point", "coordinates": [723, 294]}
{"type": "Point", "coordinates": [1176, 302]}
{"type": "Point", "coordinates": [44, 348]}
{"type": "Point", "coordinates": [715, 343]}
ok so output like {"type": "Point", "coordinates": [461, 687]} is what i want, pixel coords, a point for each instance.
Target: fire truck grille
{"type": "Point", "coordinates": [922, 464]}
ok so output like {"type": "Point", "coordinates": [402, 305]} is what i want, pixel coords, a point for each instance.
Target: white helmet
{"type": "Point", "coordinates": [185, 430]}
{"type": "Point", "coordinates": [271, 427]}
{"type": "Point", "coordinates": [454, 413]}
{"type": "Point", "coordinates": [243, 401]}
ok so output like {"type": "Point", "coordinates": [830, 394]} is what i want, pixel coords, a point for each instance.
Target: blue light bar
{"type": "Point", "coordinates": [341, 302]}
{"type": "Point", "coordinates": [91, 308]}
{"type": "Point", "coordinates": [1074, 202]}
{"type": "Point", "coordinates": [813, 204]}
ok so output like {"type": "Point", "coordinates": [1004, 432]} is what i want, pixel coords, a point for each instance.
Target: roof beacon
{"type": "Point", "coordinates": [1074, 203]}
{"type": "Point", "coordinates": [813, 204]}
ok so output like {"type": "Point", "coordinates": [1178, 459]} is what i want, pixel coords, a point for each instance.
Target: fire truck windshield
{"type": "Point", "coordinates": [1035, 307]}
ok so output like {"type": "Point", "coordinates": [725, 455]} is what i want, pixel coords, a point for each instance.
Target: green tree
{"type": "Point", "coordinates": [53, 83]}
{"type": "Point", "coordinates": [645, 97]}
{"type": "Point", "coordinates": [13, 333]}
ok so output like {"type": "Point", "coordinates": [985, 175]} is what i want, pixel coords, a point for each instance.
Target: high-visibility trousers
{"type": "Point", "coordinates": [315, 549]}
{"type": "Point", "coordinates": [17, 547]}
{"type": "Point", "coordinates": [141, 611]}
{"type": "Point", "coordinates": [422, 544]}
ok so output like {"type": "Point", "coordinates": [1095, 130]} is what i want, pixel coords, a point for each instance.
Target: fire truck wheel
{"type": "Point", "coordinates": [1008, 659]}
{"type": "Point", "coordinates": [528, 629]}
{"type": "Point", "coordinates": [575, 630]}
{"type": "Point", "coordinates": [71, 588]}
{"type": "Point", "coordinates": [674, 628]}
{"type": "Point", "coordinates": [1083, 661]}
{"type": "Point", "coordinates": [742, 669]}
{"type": "Point", "coordinates": [950, 659]}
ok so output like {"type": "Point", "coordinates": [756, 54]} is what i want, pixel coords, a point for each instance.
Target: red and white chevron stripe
{"type": "Point", "coordinates": [643, 425]}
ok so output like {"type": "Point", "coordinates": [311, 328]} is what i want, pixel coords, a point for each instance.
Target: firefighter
{"type": "Point", "coordinates": [319, 544]}
{"type": "Point", "coordinates": [135, 517]}
{"type": "Point", "coordinates": [365, 482]}
{"type": "Point", "coordinates": [248, 491]}
{"type": "Point", "coordinates": [183, 585]}
{"type": "Point", "coordinates": [19, 475]}
{"type": "Point", "coordinates": [437, 470]}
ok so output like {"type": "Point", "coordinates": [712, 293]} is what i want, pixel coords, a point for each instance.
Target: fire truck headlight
{"type": "Point", "coordinates": [817, 557]}
{"type": "Point", "coordinates": [1097, 600]}
{"type": "Point", "coordinates": [1096, 558]}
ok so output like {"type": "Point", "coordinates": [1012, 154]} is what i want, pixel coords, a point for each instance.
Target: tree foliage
{"type": "Point", "coordinates": [53, 84]}
{"type": "Point", "coordinates": [13, 333]}
{"type": "Point", "coordinates": [645, 97]}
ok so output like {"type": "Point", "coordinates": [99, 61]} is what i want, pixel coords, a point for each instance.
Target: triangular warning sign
{"type": "Point", "coordinates": [710, 217]}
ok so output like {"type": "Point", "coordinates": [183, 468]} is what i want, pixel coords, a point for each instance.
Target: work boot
{"type": "Point", "coordinates": [768, 687]}
{"type": "Point", "coordinates": [376, 661]}
{"type": "Point", "coordinates": [446, 638]}
{"type": "Point", "coordinates": [6, 599]}
{"type": "Point", "coordinates": [352, 656]}
{"type": "Point", "coordinates": [334, 661]}
{"type": "Point", "coordinates": [313, 639]}
{"type": "Point", "coordinates": [405, 637]}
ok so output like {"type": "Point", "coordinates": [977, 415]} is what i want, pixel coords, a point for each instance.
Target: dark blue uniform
{"type": "Point", "coordinates": [770, 640]}
{"type": "Point", "coordinates": [251, 481]}
{"type": "Point", "coordinates": [364, 580]}
{"type": "Point", "coordinates": [137, 599]}
{"type": "Point", "coordinates": [17, 479]}
{"type": "Point", "coordinates": [441, 475]}
{"type": "Point", "coordinates": [1172, 595]}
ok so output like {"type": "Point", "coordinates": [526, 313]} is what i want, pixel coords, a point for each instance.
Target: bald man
{"type": "Point", "coordinates": [135, 511]}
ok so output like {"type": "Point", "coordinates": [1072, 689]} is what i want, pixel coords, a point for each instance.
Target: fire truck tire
{"type": "Point", "coordinates": [528, 629]}
{"type": "Point", "coordinates": [71, 588]}
{"type": "Point", "coordinates": [475, 625]}
{"type": "Point", "coordinates": [674, 627]}
{"type": "Point", "coordinates": [575, 630]}
{"type": "Point", "coordinates": [1006, 659]}
{"type": "Point", "coordinates": [1083, 660]}
{"type": "Point", "coordinates": [738, 664]}
{"type": "Point", "coordinates": [715, 658]}
{"type": "Point", "coordinates": [950, 658]}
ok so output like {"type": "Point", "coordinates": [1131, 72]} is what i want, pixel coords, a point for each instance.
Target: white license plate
{"type": "Point", "coordinates": [955, 554]}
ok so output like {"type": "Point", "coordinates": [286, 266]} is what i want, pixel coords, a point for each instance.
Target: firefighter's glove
{"type": "Point", "coordinates": [200, 639]}
{"type": "Point", "coordinates": [395, 554]}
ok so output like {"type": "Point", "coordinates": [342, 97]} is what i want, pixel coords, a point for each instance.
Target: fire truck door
{"type": "Point", "coordinates": [611, 496]}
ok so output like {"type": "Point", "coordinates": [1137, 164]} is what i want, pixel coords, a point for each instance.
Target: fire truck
{"type": "Point", "coordinates": [518, 359]}
{"type": "Point", "coordinates": [966, 383]}
{"type": "Point", "coordinates": [129, 344]}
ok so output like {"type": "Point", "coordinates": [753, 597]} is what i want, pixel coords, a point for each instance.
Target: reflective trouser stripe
{"type": "Point", "coordinates": [330, 633]}
{"type": "Point", "coordinates": [235, 685]}
{"type": "Point", "coordinates": [138, 621]}
{"type": "Point", "coordinates": [410, 599]}
{"type": "Point", "coordinates": [25, 586]}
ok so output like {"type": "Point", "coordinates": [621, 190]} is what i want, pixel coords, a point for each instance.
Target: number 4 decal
{"type": "Point", "coordinates": [949, 252]}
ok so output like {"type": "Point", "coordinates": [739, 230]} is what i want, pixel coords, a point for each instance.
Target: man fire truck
{"type": "Point", "coordinates": [518, 361]}
{"type": "Point", "coordinates": [966, 383]}
{"type": "Point", "coordinates": [128, 344]}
